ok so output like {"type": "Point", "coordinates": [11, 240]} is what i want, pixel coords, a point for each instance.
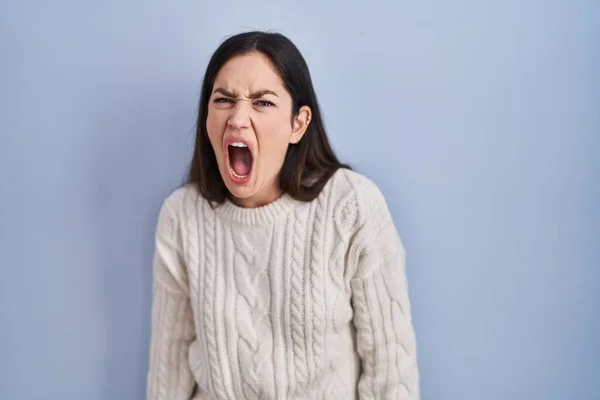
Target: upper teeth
{"type": "Point", "coordinates": [237, 144]}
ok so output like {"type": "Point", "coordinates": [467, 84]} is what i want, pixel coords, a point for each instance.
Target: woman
{"type": "Point", "coordinates": [278, 272]}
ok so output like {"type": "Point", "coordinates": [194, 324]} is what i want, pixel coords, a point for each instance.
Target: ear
{"type": "Point", "coordinates": [301, 122]}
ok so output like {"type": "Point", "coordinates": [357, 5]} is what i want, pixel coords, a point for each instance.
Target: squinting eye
{"type": "Point", "coordinates": [265, 103]}
{"type": "Point", "coordinates": [222, 100]}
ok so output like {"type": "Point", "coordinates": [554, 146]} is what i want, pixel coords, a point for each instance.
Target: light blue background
{"type": "Point", "coordinates": [480, 121]}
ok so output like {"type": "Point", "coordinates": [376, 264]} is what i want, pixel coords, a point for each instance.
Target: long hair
{"type": "Point", "coordinates": [308, 164]}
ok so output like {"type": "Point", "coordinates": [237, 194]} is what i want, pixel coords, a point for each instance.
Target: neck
{"type": "Point", "coordinates": [261, 199]}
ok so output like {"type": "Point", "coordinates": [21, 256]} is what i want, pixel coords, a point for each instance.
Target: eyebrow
{"type": "Point", "coordinates": [254, 95]}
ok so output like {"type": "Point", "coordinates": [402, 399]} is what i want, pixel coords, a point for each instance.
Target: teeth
{"type": "Point", "coordinates": [237, 144]}
{"type": "Point", "coordinates": [236, 175]}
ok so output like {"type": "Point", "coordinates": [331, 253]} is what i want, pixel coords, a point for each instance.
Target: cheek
{"type": "Point", "coordinates": [215, 133]}
{"type": "Point", "coordinates": [274, 140]}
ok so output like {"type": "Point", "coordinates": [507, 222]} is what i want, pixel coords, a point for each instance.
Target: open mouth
{"type": "Point", "coordinates": [240, 159]}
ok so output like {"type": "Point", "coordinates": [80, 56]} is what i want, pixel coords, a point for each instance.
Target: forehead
{"type": "Point", "coordinates": [248, 73]}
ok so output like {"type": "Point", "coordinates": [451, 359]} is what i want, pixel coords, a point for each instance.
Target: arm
{"type": "Point", "coordinates": [386, 341]}
{"type": "Point", "coordinates": [169, 375]}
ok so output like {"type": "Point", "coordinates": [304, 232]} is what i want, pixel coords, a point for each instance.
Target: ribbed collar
{"type": "Point", "coordinates": [264, 215]}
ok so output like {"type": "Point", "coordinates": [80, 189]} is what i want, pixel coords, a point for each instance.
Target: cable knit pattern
{"type": "Point", "coordinates": [250, 271]}
{"type": "Point", "coordinates": [382, 316]}
{"type": "Point", "coordinates": [171, 307]}
{"type": "Point", "coordinates": [209, 304]}
{"type": "Point", "coordinates": [291, 300]}
{"type": "Point", "coordinates": [318, 285]}
{"type": "Point", "coordinates": [297, 309]}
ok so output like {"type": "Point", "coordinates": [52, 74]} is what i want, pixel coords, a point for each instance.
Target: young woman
{"type": "Point", "coordinates": [278, 271]}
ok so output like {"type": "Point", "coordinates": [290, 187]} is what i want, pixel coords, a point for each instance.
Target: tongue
{"type": "Point", "coordinates": [241, 160]}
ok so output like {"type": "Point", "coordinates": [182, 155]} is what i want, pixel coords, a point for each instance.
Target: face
{"type": "Point", "coordinates": [250, 127]}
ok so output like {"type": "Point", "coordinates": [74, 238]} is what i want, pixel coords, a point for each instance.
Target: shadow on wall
{"type": "Point", "coordinates": [138, 154]}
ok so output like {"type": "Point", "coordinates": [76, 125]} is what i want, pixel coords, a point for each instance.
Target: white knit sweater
{"type": "Point", "coordinates": [287, 301]}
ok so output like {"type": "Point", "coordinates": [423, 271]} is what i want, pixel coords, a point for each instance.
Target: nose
{"type": "Point", "coordinates": [240, 117]}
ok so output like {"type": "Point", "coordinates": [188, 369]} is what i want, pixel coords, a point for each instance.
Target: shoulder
{"type": "Point", "coordinates": [174, 208]}
{"type": "Point", "coordinates": [365, 188]}
{"type": "Point", "coordinates": [361, 217]}
{"type": "Point", "coordinates": [351, 186]}
{"type": "Point", "coordinates": [178, 197]}
{"type": "Point", "coordinates": [354, 197]}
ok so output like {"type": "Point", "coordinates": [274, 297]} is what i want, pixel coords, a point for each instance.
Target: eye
{"type": "Point", "coordinates": [222, 100]}
{"type": "Point", "coordinates": [264, 103]}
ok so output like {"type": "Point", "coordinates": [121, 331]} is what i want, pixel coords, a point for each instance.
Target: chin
{"type": "Point", "coordinates": [238, 191]}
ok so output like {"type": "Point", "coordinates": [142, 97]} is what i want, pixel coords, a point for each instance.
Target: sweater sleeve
{"type": "Point", "coordinates": [386, 341]}
{"type": "Point", "coordinates": [169, 376]}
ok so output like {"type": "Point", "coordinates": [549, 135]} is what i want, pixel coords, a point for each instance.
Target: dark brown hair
{"type": "Point", "coordinates": [308, 164]}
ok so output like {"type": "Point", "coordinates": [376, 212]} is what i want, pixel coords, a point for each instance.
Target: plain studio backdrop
{"type": "Point", "coordinates": [480, 121]}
